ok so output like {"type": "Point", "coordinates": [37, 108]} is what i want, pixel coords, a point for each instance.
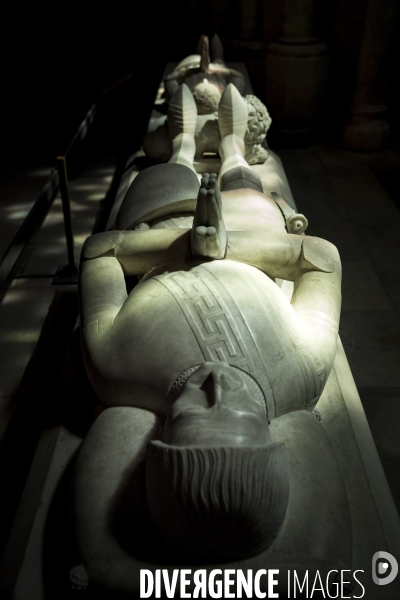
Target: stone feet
{"type": "Point", "coordinates": [232, 113]}
{"type": "Point", "coordinates": [209, 237]}
{"type": "Point", "coordinates": [182, 112]}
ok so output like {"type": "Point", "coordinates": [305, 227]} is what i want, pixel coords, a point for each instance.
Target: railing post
{"type": "Point", "coordinates": [66, 274]}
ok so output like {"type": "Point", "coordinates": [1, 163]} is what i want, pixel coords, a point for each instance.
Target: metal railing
{"type": "Point", "coordinates": [10, 260]}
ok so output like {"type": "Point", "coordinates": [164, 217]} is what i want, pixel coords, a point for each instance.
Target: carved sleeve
{"type": "Point", "coordinates": [317, 296]}
{"type": "Point", "coordinates": [313, 265]}
{"type": "Point", "coordinates": [102, 292]}
{"type": "Point", "coordinates": [138, 251]}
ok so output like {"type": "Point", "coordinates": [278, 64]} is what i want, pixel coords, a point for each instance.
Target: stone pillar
{"type": "Point", "coordinates": [248, 42]}
{"type": "Point", "coordinates": [368, 130]}
{"type": "Point", "coordinates": [221, 17]}
{"type": "Point", "coordinates": [297, 70]}
{"type": "Point", "coordinates": [250, 24]}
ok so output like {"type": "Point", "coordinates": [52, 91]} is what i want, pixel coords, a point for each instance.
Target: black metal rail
{"type": "Point", "coordinates": [10, 261]}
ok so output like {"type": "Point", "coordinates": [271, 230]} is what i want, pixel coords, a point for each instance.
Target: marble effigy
{"type": "Point", "coordinates": [208, 370]}
{"type": "Point", "coordinates": [207, 81]}
{"type": "Point", "coordinates": [206, 78]}
{"type": "Point", "coordinates": [336, 511]}
{"type": "Point", "coordinates": [157, 143]}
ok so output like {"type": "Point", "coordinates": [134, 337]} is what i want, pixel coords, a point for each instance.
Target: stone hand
{"type": "Point", "coordinates": [208, 236]}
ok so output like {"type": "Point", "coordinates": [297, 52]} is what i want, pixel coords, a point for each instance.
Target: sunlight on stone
{"type": "Point", "coordinates": [19, 206]}
{"type": "Point", "coordinates": [15, 296]}
{"type": "Point", "coordinates": [86, 187]}
{"type": "Point", "coordinates": [79, 208]}
{"type": "Point", "coordinates": [17, 215]}
{"type": "Point", "coordinates": [24, 336]}
{"type": "Point", "coordinates": [96, 196]}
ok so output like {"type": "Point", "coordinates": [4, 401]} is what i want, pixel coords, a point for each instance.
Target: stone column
{"type": "Point", "coordinates": [250, 25]}
{"type": "Point", "coordinates": [220, 17]}
{"type": "Point", "coordinates": [297, 70]}
{"type": "Point", "coordinates": [368, 130]}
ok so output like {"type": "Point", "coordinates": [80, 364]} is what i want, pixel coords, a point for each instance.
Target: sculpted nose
{"type": "Point", "coordinates": [219, 386]}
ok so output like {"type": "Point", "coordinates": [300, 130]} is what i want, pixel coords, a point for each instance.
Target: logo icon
{"type": "Point", "coordinates": [384, 568]}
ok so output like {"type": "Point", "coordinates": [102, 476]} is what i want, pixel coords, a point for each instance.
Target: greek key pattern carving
{"type": "Point", "coordinates": [209, 318]}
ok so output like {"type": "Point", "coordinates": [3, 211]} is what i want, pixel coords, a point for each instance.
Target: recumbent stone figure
{"type": "Point", "coordinates": [207, 81]}
{"type": "Point", "coordinates": [207, 372]}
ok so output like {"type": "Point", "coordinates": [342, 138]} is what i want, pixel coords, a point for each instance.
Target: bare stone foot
{"type": "Point", "coordinates": [182, 112]}
{"type": "Point", "coordinates": [208, 233]}
{"type": "Point", "coordinates": [232, 113]}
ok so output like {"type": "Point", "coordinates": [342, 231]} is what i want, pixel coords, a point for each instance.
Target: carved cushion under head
{"type": "Point", "coordinates": [158, 191]}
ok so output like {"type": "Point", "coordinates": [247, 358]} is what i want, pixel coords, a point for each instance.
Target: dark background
{"type": "Point", "coordinates": [56, 60]}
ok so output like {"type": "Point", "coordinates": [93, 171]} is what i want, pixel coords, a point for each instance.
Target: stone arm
{"type": "Point", "coordinates": [108, 257]}
{"type": "Point", "coordinates": [312, 264]}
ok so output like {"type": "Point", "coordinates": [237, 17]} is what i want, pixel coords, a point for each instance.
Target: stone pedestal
{"type": "Point", "coordinates": [297, 69]}
{"type": "Point", "coordinates": [368, 130]}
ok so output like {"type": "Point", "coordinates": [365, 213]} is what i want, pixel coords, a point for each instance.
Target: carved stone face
{"type": "Point", "coordinates": [216, 408]}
